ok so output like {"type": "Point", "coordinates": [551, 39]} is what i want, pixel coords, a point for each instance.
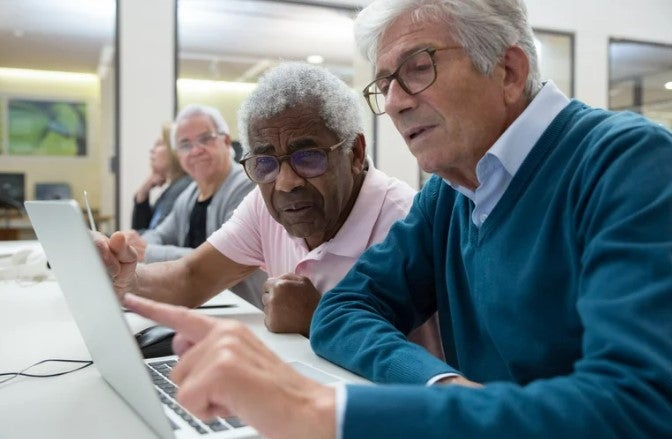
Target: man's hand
{"type": "Point", "coordinates": [120, 261]}
{"type": "Point", "coordinates": [289, 303]}
{"type": "Point", "coordinates": [224, 369]}
{"type": "Point", "coordinates": [154, 179]}
{"type": "Point", "coordinates": [136, 241]}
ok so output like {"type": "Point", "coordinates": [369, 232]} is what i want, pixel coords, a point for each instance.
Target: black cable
{"type": "Point", "coordinates": [85, 363]}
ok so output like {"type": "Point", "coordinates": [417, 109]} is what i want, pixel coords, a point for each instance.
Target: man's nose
{"type": "Point", "coordinates": [196, 148]}
{"type": "Point", "coordinates": [397, 99]}
{"type": "Point", "coordinates": [287, 180]}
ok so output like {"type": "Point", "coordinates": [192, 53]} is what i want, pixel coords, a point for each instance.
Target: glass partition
{"type": "Point", "coordinates": [640, 79]}
{"type": "Point", "coordinates": [57, 98]}
{"type": "Point", "coordinates": [556, 58]}
{"type": "Point", "coordinates": [223, 47]}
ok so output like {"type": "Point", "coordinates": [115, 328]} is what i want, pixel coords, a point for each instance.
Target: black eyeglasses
{"type": "Point", "coordinates": [203, 140]}
{"type": "Point", "coordinates": [307, 163]}
{"type": "Point", "coordinates": [414, 74]}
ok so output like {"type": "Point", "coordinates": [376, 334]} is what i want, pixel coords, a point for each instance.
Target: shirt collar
{"type": "Point", "coordinates": [517, 141]}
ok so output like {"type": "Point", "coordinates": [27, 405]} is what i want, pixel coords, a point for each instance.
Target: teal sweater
{"type": "Point", "coordinates": [561, 303]}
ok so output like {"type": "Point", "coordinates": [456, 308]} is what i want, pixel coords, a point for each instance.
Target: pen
{"type": "Point", "coordinates": [92, 224]}
{"type": "Point", "coordinates": [222, 305]}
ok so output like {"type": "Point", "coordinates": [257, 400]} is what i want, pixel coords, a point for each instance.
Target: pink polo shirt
{"type": "Point", "coordinates": [252, 237]}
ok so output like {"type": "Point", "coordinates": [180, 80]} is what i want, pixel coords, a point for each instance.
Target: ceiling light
{"type": "Point", "coordinates": [315, 59]}
{"type": "Point", "coordinates": [206, 86]}
{"type": "Point", "coordinates": [668, 85]}
{"type": "Point", "coordinates": [47, 75]}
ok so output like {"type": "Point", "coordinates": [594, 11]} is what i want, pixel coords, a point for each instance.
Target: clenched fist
{"type": "Point", "coordinates": [289, 303]}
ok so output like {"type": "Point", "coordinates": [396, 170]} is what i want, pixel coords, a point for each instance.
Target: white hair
{"type": "Point", "coordinates": [199, 110]}
{"type": "Point", "coordinates": [295, 83]}
{"type": "Point", "coordinates": [485, 28]}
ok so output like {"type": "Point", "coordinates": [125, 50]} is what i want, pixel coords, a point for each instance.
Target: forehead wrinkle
{"type": "Point", "coordinates": [401, 57]}
{"type": "Point", "coordinates": [409, 28]}
{"type": "Point", "coordinates": [290, 130]}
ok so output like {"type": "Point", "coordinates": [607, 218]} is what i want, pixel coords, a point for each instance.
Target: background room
{"type": "Point", "coordinates": [86, 85]}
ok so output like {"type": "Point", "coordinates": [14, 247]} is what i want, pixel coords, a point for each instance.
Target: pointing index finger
{"type": "Point", "coordinates": [191, 325]}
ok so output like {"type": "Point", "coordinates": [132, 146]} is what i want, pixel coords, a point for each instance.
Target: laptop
{"type": "Point", "coordinates": [143, 384]}
{"type": "Point", "coordinates": [53, 191]}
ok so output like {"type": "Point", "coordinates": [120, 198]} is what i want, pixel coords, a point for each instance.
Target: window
{"type": "Point", "coordinates": [223, 47]}
{"type": "Point", "coordinates": [57, 94]}
{"type": "Point", "coordinates": [640, 79]}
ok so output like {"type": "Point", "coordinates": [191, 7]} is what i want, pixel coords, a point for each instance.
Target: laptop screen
{"type": "Point", "coordinates": [12, 190]}
{"type": "Point", "coordinates": [52, 191]}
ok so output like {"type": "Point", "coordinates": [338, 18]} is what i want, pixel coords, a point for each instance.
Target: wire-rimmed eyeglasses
{"type": "Point", "coordinates": [307, 163]}
{"type": "Point", "coordinates": [204, 140]}
{"type": "Point", "coordinates": [415, 73]}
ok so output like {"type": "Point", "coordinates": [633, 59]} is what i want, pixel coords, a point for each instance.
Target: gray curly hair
{"type": "Point", "coordinates": [485, 28]}
{"type": "Point", "coordinates": [294, 83]}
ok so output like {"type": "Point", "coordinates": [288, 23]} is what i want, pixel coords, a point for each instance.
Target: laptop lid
{"type": "Point", "coordinates": [67, 242]}
{"type": "Point", "coordinates": [60, 228]}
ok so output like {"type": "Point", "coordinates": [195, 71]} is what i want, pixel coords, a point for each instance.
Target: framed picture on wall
{"type": "Point", "coordinates": [46, 127]}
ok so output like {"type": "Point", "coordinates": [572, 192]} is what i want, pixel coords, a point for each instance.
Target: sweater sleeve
{"type": "Point", "coordinates": [162, 244]}
{"type": "Point", "coordinates": [620, 209]}
{"type": "Point", "coordinates": [362, 323]}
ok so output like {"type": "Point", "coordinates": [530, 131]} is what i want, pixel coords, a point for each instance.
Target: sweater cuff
{"type": "Point", "coordinates": [341, 398]}
{"type": "Point", "coordinates": [440, 376]}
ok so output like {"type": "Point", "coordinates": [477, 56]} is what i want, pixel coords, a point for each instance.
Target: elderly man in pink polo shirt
{"type": "Point", "coordinates": [318, 204]}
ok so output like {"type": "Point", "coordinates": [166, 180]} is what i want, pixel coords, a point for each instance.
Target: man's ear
{"type": "Point", "coordinates": [516, 67]}
{"type": "Point", "coordinates": [358, 154]}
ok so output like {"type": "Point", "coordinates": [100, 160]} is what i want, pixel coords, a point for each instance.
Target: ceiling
{"type": "Point", "coordinates": [233, 40]}
{"type": "Point", "coordinates": [226, 40]}
{"type": "Point", "coordinates": [55, 35]}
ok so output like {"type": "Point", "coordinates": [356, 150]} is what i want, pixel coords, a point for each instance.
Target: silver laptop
{"type": "Point", "coordinates": [143, 384]}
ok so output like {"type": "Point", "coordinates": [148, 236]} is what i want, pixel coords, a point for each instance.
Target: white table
{"type": "Point", "coordinates": [35, 324]}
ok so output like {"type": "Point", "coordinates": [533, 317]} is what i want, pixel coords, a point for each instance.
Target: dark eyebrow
{"type": "Point", "coordinates": [302, 144]}
{"type": "Point", "coordinates": [263, 149]}
{"type": "Point", "coordinates": [186, 139]}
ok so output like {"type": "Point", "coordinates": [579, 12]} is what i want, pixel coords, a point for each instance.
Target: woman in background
{"type": "Point", "coordinates": [166, 181]}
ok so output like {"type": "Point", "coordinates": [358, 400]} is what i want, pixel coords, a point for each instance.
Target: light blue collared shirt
{"type": "Point", "coordinates": [500, 163]}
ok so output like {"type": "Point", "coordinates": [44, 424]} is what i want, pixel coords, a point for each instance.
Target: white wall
{"type": "Point", "coordinates": [146, 89]}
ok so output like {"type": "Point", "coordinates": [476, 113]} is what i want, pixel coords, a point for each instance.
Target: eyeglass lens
{"type": "Point", "coordinates": [414, 75]}
{"type": "Point", "coordinates": [202, 140]}
{"type": "Point", "coordinates": [307, 163]}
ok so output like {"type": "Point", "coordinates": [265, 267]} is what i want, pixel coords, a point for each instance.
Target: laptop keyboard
{"type": "Point", "coordinates": [159, 371]}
